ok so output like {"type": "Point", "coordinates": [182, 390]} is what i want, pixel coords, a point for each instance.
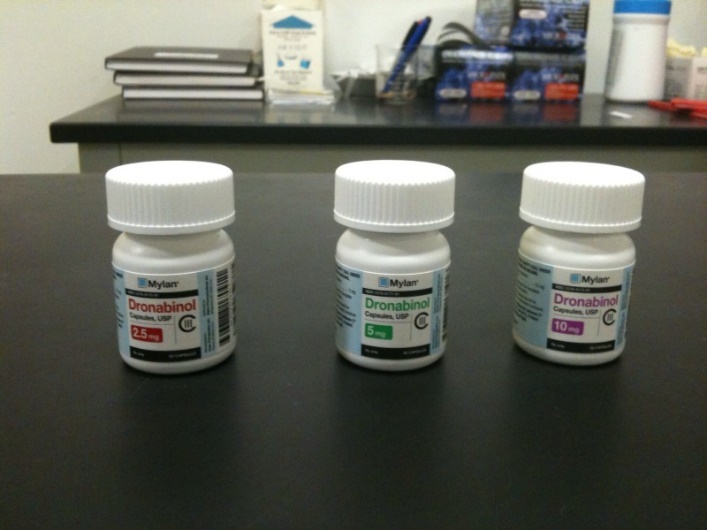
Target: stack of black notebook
{"type": "Point", "coordinates": [149, 72]}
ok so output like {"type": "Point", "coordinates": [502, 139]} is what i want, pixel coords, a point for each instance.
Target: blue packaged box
{"type": "Point", "coordinates": [533, 24]}
{"type": "Point", "coordinates": [547, 76]}
{"type": "Point", "coordinates": [466, 73]}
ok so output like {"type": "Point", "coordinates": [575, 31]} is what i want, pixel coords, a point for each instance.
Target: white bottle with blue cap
{"type": "Point", "coordinates": [636, 70]}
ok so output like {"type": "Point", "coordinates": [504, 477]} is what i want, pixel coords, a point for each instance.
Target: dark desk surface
{"type": "Point", "coordinates": [365, 122]}
{"type": "Point", "coordinates": [288, 435]}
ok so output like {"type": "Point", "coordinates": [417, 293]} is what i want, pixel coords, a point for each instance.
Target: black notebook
{"type": "Point", "coordinates": [186, 79]}
{"type": "Point", "coordinates": [181, 59]}
{"type": "Point", "coordinates": [214, 93]}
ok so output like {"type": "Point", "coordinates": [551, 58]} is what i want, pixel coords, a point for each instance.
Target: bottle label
{"type": "Point", "coordinates": [571, 310]}
{"type": "Point", "coordinates": [392, 317]}
{"type": "Point", "coordinates": [171, 318]}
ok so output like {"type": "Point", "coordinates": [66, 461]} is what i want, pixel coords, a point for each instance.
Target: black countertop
{"type": "Point", "coordinates": [286, 434]}
{"type": "Point", "coordinates": [365, 122]}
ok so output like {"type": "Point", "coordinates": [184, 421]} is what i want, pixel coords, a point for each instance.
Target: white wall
{"type": "Point", "coordinates": [51, 60]}
{"type": "Point", "coordinates": [52, 51]}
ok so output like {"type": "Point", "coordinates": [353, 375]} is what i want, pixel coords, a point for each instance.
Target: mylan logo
{"type": "Point", "coordinates": [590, 280]}
{"type": "Point", "coordinates": [144, 283]}
{"type": "Point", "coordinates": [396, 283]}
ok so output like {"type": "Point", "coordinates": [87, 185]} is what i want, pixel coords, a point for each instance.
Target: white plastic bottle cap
{"type": "Point", "coordinates": [394, 196]}
{"type": "Point", "coordinates": [170, 197]}
{"type": "Point", "coordinates": [582, 197]}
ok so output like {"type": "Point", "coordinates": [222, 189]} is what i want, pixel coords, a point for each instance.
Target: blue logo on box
{"type": "Point", "coordinates": [142, 282]}
{"type": "Point", "coordinates": [292, 22]}
{"type": "Point", "coordinates": [575, 278]}
{"type": "Point", "coordinates": [383, 282]}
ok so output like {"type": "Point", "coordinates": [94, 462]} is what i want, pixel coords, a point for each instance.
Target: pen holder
{"type": "Point", "coordinates": [397, 71]}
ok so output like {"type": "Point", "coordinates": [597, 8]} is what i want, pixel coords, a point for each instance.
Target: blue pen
{"type": "Point", "coordinates": [410, 33]}
{"type": "Point", "coordinates": [411, 43]}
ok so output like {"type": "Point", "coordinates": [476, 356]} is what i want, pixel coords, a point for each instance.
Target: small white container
{"type": "Point", "coordinates": [636, 68]}
{"type": "Point", "coordinates": [393, 264]}
{"type": "Point", "coordinates": [173, 265]}
{"type": "Point", "coordinates": [575, 264]}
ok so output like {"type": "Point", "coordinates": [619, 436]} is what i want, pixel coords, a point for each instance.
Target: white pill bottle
{"type": "Point", "coordinates": [392, 264]}
{"type": "Point", "coordinates": [173, 265]}
{"type": "Point", "coordinates": [636, 68]}
{"type": "Point", "coordinates": [575, 264]}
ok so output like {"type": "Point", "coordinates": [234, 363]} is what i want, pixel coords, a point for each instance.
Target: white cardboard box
{"type": "Point", "coordinates": [686, 77]}
{"type": "Point", "coordinates": [293, 49]}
